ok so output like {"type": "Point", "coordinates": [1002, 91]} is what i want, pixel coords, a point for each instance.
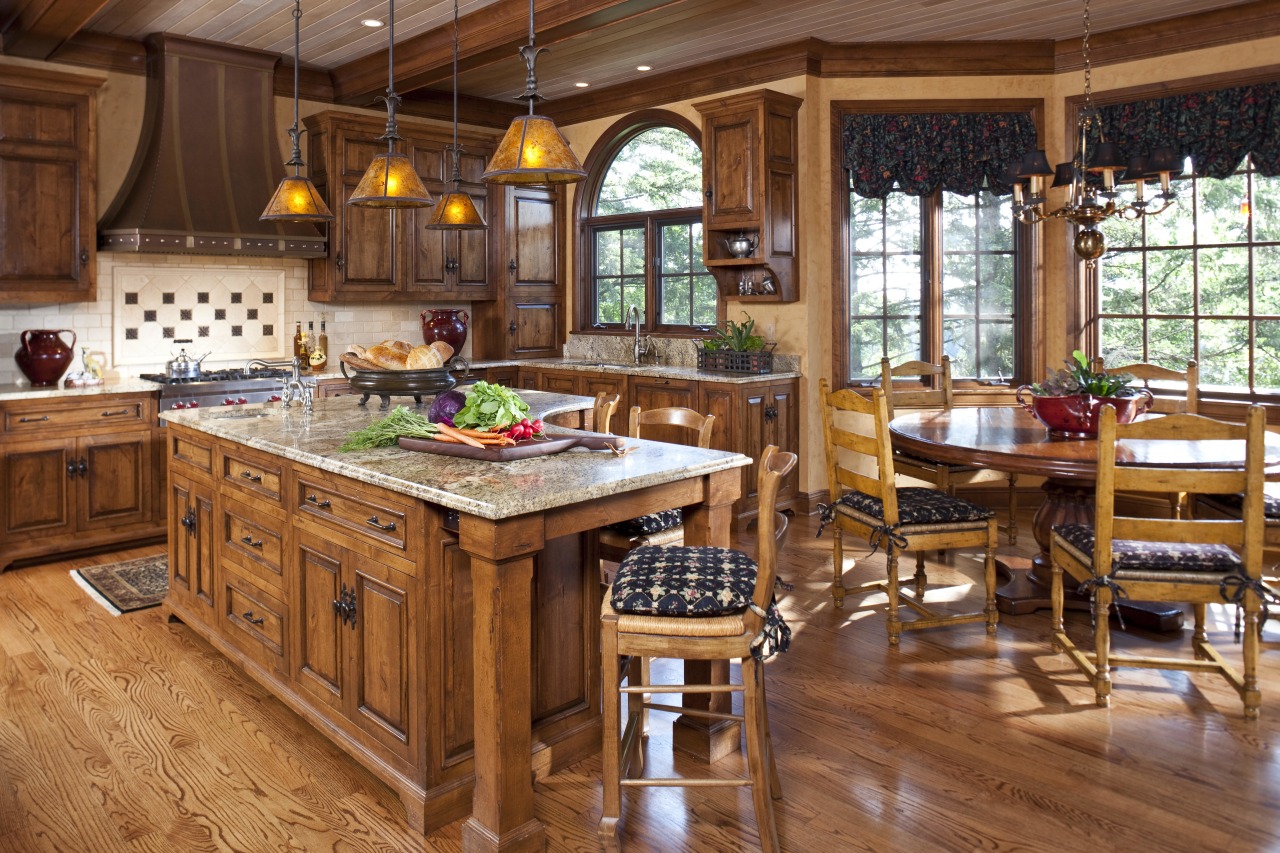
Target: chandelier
{"type": "Point", "coordinates": [1092, 174]}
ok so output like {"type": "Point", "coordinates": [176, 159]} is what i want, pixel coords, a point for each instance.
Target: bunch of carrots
{"type": "Point", "coordinates": [473, 437]}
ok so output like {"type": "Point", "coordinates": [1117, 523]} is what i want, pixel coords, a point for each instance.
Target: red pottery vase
{"type": "Point", "coordinates": [445, 324]}
{"type": "Point", "coordinates": [44, 355]}
{"type": "Point", "coordinates": [1076, 415]}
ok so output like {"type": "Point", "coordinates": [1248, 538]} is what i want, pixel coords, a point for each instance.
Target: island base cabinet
{"type": "Point", "coordinates": [356, 650]}
{"type": "Point", "coordinates": [192, 559]}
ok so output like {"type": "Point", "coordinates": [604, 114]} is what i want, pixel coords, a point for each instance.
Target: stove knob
{"type": "Point", "coordinates": [178, 405]}
{"type": "Point", "coordinates": [241, 401]}
{"type": "Point", "coordinates": [194, 404]}
{"type": "Point", "coordinates": [228, 402]}
{"type": "Point", "coordinates": [274, 398]}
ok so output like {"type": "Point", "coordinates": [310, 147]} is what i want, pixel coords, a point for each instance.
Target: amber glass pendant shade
{"type": "Point", "coordinates": [391, 181]}
{"type": "Point", "coordinates": [534, 151]}
{"type": "Point", "coordinates": [297, 200]}
{"type": "Point", "coordinates": [455, 212]}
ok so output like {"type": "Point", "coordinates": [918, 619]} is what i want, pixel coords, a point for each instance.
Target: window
{"type": "Point", "coordinates": [643, 233]}
{"type": "Point", "coordinates": [1200, 280]}
{"type": "Point", "coordinates": [931, 276]}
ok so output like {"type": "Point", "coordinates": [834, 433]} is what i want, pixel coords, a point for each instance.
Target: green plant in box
{"type": "Point", "coordinates": [736, 337]}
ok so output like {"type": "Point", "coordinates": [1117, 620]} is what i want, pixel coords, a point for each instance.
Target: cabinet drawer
{"type": "Point", "coordinates": [186, 450]}
{"type": "Point", "coordinates": [378, 519]}
{"type": "Point", "coordinates": [251, 474]}
{"type": "Point", "coordinates": [255, 621]}
{"type": "Point", "coordinates": [53, 417]}
{"type": "Point", "coordinates": [253, 542]}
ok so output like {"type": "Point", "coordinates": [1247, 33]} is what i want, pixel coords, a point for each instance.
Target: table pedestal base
{"type": "Point", "coordinates": [1071, 502]}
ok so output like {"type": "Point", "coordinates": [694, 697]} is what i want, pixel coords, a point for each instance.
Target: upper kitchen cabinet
{"type": "Point", "coordinates": [48, 185]}
{"type": "Point", "coordinates": [388, 255]}
{"type": "Point", "coordinates": [750, 145]}
{"type": "Point", "coordinates": [527, 320]}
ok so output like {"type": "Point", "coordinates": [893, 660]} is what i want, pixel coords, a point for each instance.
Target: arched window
{"type": "Point", "coordinates": [641, 218]}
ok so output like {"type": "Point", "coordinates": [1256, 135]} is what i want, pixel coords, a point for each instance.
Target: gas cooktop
{"type": "Point", "coordinates": [228, 375]}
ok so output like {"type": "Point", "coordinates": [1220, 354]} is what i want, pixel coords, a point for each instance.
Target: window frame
{"type": "Point", "coordinates": [1028, 273]}
{"type": "Point", "coordinates": [1082, 285]}
{"type": "Point", "coordinates": [597, 164]}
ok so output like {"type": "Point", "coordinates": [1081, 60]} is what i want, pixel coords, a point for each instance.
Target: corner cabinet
{"type": "Point", "coordinates": [749, 179]}
{"type": "Point", "coordinates": [388, 255]}
{"type": "Point", "coordinates": [48, 210]}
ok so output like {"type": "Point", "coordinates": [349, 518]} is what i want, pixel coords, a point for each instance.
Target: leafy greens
{"type": "Point", "coordinates": [384, 433]}
{"type": "Point", "coordinates": [490, 406]}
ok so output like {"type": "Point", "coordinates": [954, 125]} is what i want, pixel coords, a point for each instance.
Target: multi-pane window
{"type": "Point", "coordinates": [1200, 280]}
{"type": "Point", "coordinates": [646, 236]}
{"type": "Point", "coordinates": [931, 276]}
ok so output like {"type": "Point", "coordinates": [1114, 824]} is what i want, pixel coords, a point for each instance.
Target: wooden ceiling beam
{"type": "Point", "coordinates": [493, 34]}
{"type": "Point", "coordinates": [42, 26]}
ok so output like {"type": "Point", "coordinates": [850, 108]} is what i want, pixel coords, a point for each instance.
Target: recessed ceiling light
{"type": "Point", "coordinates": [371, 22]}
{"type": "Point", "coordinates": [644, 67]}
{"type": "Point", "coordinates": [582, 85]}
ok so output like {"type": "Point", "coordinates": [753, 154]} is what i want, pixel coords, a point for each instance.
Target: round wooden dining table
{"type": "Point", "coordinates": [1011, 439]}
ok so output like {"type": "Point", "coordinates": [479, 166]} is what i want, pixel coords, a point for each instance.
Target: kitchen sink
{"type": "Point", "coordinates": [602, 364]}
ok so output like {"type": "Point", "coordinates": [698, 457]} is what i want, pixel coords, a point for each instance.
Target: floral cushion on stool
{"type": "Point", "coordinates": [1130, 558]}
{"type": "Point", "coordinates": [695, 580]}
{"type": "Point", "coordinates": [653, 523]}
{"type": "Point", "coordinates": [916, 506]}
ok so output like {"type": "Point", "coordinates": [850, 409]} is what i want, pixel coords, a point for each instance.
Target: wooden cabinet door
{"type": "Point", "coordinates": [782, 427]}
{"type": "Point", "coordinates": [535, 286]}
{"type": "Point", "coordinates": [471, 278]}
{"type": "Point", "coordinates": [656, 393]}
{"type": "Point", "coordinates": [366, 261]}
{"type": "Point", "coordinates": [382, 657]}
{"type": "Point", "coordinates": [322, 637]}
{"type": "Point", "coordinates": [731, 145]}
{"type": "Point", "coordinates": [529, 378]}
{"type": "Point", "coordinates": [115, 486]}
{"type": "Point", "coordinates": [560, 382]}
{"type": "Point", "coordinates": [192, 568]}
{"type": "Point", "coordinates": [39, 478]}
{"type": "Point", "coordinates": [48, 210]}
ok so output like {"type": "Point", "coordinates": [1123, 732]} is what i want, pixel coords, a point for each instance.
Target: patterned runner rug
{"type": "Point", "coordinates": [127, 586]}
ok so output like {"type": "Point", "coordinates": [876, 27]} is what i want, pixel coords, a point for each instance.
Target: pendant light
{"type": "Point", "coordinates": [391, 181]}
{"type": "Point", "coordinates": [533, 151]}
{"type": "Point", "coordinates": [296, 199]}
{"type": "Point", "coordinates": [456, 211]}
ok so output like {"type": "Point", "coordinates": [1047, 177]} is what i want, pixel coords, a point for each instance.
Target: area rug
{"type": "Point", "coordinates": [128, 586]}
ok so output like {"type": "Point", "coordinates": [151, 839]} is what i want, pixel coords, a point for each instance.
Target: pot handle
{"type": "Point", "coordinates": [1145, 405]}
{"type": "Point", "coordinates": [466, 318]}
{"type": "Point", "coordinates": [1026, 404]}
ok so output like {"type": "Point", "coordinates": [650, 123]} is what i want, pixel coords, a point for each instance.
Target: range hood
{"type": "Point", "coordinates": [208, 160]}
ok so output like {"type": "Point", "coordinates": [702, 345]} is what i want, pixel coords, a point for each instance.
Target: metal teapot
{"type": "Point", "coordinates": [740, 246]}
{"type": "Point", "coordinates": [183, 366]}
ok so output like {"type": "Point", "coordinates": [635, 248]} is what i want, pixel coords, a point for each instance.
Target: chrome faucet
{"type": "Point", "coordinates": [296, 388]}
{"type": "Point", "coordinates": [633, 321]}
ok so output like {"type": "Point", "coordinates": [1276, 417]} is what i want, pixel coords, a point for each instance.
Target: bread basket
{"type": "Point", "coordinates": [400, 383]}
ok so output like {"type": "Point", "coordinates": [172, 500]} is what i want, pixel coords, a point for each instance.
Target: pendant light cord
{"type": "Point", "coordinates": [391, 98]}
{"type": "Point", "coordinates": [295, 133]}
{"type": "Point", "coordinates": [457, 174]}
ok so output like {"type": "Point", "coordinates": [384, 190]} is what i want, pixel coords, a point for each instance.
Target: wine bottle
{"type": "Point", "coordinates": [319, 349]}
{"type": "Point", "coordinates": [300, 348]}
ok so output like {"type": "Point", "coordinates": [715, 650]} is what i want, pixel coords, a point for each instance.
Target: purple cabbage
{"type": "Point", "coordinates": [445, 406]}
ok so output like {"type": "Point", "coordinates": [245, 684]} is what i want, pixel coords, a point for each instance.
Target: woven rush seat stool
{"type": "Point", "coordinates": [694, 603]}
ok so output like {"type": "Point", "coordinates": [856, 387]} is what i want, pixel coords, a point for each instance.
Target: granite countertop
{"type": "Point", "coordinates": [492, 490]}
{"type": "Point", "coordinates": [111, 386]}
{"type": "Point", "coordinates": [666, 371]}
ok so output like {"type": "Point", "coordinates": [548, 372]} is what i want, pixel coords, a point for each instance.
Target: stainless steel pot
{"type": "Point", "coordinates": [183, 366]}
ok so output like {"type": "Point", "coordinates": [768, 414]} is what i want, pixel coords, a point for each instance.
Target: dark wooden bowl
{"type": "Point", "coordinates": [400, 383]}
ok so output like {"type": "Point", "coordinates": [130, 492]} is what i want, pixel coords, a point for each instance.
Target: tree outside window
{"type": "Point", "coordinates": [1199, 281]}
{"type": "Point", "coordinates": [645, 236]}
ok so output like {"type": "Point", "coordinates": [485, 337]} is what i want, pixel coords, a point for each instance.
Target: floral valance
{"type": "Point", "coordinates": [1215, 129]}
{"type": "Point", "coordinates": [919, 152]}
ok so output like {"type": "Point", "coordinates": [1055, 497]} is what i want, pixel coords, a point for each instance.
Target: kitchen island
{"type": "Point", "coordinates": [436, 617]}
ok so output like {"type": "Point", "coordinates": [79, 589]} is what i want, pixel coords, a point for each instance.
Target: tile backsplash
{"type": "Point", "coordinates": [235, 308]}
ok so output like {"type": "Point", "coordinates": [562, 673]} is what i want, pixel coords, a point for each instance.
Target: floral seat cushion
{"type": "Point", "coordinates": [655, 522]}
{"type": "Point", "coordinates": [916, 507]}
{"type": "Point", "coordinates": [1131, 557]}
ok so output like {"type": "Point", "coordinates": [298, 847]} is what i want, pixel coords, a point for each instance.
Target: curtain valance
{"type": "Point", "coordinates": [1215, 129]}
{"type": "Point", "coordinates": [959, 152]}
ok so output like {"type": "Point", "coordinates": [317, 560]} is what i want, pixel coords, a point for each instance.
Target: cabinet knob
{"type": "Point", "coordinates": [373, 520]}
{"type": "Point", "coordinates": [82, 466]}
{"type": "Point", "coordinates": [312, 499]}
{"type": "Point", "coordinates": [84, 257]}
{"type": "Point", "coordinates": [339, 262]}
{"type": "Point", "coordinates": [709, 193]}
{"type": "Point", "coordinates": [770, 413]}
{"type": "Point", "coordinates": [511, 327]}
{"type": "Point", "coordinates": [248, 617]}
{"type": "Point", "coordinates": [511, 265]}
{"type": "Point", "coordinates": [71, 473]}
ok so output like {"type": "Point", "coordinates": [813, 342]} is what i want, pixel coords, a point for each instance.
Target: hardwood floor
{"type": "Point", "coordinates": [128, 733]}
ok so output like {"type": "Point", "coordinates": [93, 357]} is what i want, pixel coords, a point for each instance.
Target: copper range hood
{"type": "Point", "coordinates": [208, 161]}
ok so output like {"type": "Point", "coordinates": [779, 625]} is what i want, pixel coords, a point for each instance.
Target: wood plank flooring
{"type": "Point", "coordinates": [131, 734]}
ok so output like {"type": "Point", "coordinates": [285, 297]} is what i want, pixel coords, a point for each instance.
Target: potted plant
{"type": "Point", "coordinates": [736, 348]}
{"type": "Point", "coordinates": [1068, 401]}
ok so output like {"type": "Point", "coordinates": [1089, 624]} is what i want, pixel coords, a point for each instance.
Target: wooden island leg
{"type": "Point", "coordinates": [709, 740]}
{"type": "Point", "coordinates": [502, 553]}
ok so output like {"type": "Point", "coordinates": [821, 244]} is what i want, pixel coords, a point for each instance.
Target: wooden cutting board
{"type": "Point", "coordinates": [520, 450]}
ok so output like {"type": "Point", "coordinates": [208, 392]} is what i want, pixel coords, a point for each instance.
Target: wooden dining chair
{"type": "Point", "coordinates": [660, 528]}
{"type": "Point", "coordinates": [937, 393]}
{"type": "Point", "coordinates": [602, 412]}
{"type": "Point", "coordinates": [695, 603]}
{"type": "Point", "coordinates": [1167, 400]}
{"type": "Point", "coordinates": [1194, 561]}
{"type": "Point", "coordinates": [870, 505]}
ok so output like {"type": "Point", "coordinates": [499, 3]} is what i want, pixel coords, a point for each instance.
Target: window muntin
{"type": "Point", "coordinates": [932, 276]}
{"type": "Point", "coordinates": [645, 246]}
{"type": "Point", "coordinates": [1200, 280]}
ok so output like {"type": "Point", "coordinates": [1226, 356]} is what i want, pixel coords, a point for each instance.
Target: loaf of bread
{"type": "Point", "coordinates": [359, 363]}
{"type": "Point", "coordinates": [400, 346]}
{"type": "Point", "coordinates": [388, 358]}
{"type": "Point", "coordinates": [356, 349]}
{"type": "Point", "coordinates": [424, 358]}
{"type": "Point", "coordinates": [446, 351]}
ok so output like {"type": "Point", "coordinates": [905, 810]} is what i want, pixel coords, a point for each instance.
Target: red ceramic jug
{"type": "Point", "coordinates": [446, 324]}
{"type": "Point", "coordinates": [44, 356]}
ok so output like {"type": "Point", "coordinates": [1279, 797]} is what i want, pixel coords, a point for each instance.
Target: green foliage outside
{"type": "Point", "coordinates": [660, 169]}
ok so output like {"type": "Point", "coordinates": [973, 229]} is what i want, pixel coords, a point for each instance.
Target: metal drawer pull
{"type": "Point", "coordinates": [248, 617]}
{"type": "Point", "coordinates": [374, 521]}
{"type": "Point", "coordinates": [249, 475]}
{"type": "Point", "coordinates": [116, 413]}
{"type": "Point", "coordinates": [315, 500]}
{"type": "Point", "coordinates": [249, 540]}
{"type": "Point", "coordinates": [33, 420]}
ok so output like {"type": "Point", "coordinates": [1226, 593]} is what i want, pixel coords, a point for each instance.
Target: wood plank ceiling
{"type": "Point", "coordinates": [598, 42]}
